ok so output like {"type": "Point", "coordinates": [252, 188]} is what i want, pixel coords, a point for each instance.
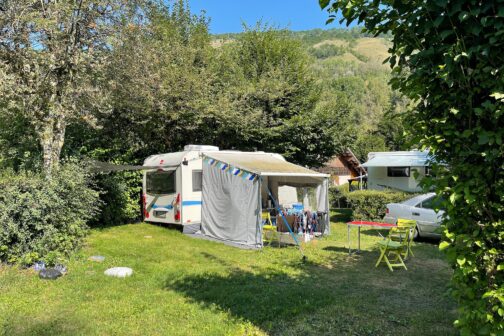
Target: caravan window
{"type": "Point", "coordinates": [398, 171]}
{"type": "Point", "coordinates": [161, 182]}
{"type": "Point", "coordinates": [197, 180]}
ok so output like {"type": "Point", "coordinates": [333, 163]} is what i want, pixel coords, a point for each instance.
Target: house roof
{"type": "Point", "coordinates": [348, 160]}
{"type": "Point", "coordinates": [263, 164]}
{"type": "Point", "coordinates": [353, 163]}
{"type": "Point", "coordinates": [397, 159]}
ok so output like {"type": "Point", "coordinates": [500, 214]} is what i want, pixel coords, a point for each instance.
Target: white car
{"type": "Point", "coordinates": [422, 209]}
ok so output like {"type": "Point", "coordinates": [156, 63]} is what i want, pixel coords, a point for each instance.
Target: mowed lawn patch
{"type": "Point", "coordinates": [186, 286]}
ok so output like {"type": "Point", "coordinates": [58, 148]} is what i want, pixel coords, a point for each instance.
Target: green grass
{"type": "Point", "coordinates": [184, 286]}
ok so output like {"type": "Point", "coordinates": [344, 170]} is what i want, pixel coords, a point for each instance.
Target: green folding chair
{"type": "Point", "coordinates": [391, 251]}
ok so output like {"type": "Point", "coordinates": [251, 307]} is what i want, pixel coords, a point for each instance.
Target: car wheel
{"type": "Point", "coordinates": [416, 234]}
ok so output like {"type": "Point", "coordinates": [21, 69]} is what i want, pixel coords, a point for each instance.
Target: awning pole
{"type": "Point", "coordinates": [277, 206]}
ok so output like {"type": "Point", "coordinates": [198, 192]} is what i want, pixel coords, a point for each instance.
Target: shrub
{"type": "Point", "coordinates": [337, 196]}
{"type": "Point", "coordinates": [327, 50]}
{"type": "Point", "coordinates": [44, 218]}
{"type": "Point", "coordinates": [120, 198]}
{"type": "Point", "coordinates": [368, 205]}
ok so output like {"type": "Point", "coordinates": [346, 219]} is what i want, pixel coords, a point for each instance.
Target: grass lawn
{"type": "Point", "coordinates": [185, 286]}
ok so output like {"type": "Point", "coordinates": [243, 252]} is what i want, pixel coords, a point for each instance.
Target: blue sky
{"type": "Point", "coordinates": [227, 15]}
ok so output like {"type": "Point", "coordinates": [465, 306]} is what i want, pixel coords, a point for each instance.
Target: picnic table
{"type": "Point", "coordinates": [360, 224]}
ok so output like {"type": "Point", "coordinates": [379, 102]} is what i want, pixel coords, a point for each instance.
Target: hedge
{"type": "Point", "coordinates": [368, 205]}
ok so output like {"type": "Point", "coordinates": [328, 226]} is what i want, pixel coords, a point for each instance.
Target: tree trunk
{"type": "Point", "coordinates": [52, 140]}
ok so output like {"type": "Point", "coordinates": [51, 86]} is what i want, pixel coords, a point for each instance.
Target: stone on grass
{"type": "Point", "coordinates": [148, 237]}
{"type": "Point", "coordinates": [49, 274]}
{"type": "Point", "coordinates": [119, 272]}
{"type": "Point", "coordinates": [61, 268]}
{"type": "Point", "coordinates": [96, 258]}
{"type": "Point", "coordinates": [39, 266]}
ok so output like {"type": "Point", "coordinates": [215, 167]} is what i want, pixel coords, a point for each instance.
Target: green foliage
{"type": "Point", "coordinates": [368, 205]}
{"type": "Point", "coordinates": [18, 140]}
{"type": "Point", "coordinates": [359, 56]}
{"type": "Point", "coordinates": [41, 217]}
{"type": "Point", "coordinates": [327, 50]}
{"type": "Point", "coordinates": [277, 94]}
{"type": "Point", "coordinates": [367, 143]}
{"type": "Point", "coordinates": [391, 129]}
{"type": "Point", "coordinates": [447, 57]}
{"type": "Point", "coordinates": [120, 198]}
{"type": "Point", "coordinates": [337, 196]}
{"type": "Point", "coordinates": [313, 36]}
{"type": "Point", "coordinates": [362, 92]}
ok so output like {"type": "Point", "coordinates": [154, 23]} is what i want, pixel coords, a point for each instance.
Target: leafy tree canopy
{"type": "Point", "coordinates": [52, 56]}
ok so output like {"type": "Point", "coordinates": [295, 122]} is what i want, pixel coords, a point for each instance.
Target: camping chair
{"type": "Point", "coordinates": [411, 225]}
{"type": "Point", "coordinates": [270, 232]}
{"type": "Point", "coordinates": [266, 218]}
{"type": "Point", "coordinates": [390, 248]}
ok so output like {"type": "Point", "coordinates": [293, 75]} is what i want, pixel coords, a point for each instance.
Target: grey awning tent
{"type": "Point", "coordinates": [235, 185]}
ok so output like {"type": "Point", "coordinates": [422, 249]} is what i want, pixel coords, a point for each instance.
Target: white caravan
{"type": "Point", "coordinates": [172, 185]}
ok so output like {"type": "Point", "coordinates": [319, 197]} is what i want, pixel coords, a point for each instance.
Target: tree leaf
{"type": "Point", "coordinates": [483, 138]}
{"type": "Point", "coordinates": [324, 3]}
{"type": "Point", "coordinates": [498, 96]}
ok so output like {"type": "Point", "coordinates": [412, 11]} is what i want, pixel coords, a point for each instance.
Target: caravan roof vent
{"type": "Point", "coordinates": [201, 148]}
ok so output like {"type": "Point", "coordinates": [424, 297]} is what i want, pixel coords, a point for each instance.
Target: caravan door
{"type": "Point", "coordinates": [162, 201]}
{"type": "Point", "coordinates": [192, 186]}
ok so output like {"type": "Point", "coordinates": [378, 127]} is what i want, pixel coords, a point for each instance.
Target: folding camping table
{"type": "Point", "coordinates": [359, 224]}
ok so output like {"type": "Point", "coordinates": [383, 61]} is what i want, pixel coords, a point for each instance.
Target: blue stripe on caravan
{"type": "Point", "coordinates": [170, 207]}
{"type": "Point", "coordinates": [189, 203]}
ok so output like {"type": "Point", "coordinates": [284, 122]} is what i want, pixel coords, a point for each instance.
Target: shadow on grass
{"type": "Point", "coordinates": [339, 249]}
{"type": "Point", "coordinates": [265, 299]}
{"type": "Point", "coordinates": [428, 240]}
{"type": "Point", "coordinates": [375, 233]}
{"type": "Point", "coordinates": [384, 233]}
{"type": "Point", "coordinates": [278, 302]}
{"type": "Point", "coordinates": [341, 215]}
{"type": "Point", "coordinates": [335, 297]}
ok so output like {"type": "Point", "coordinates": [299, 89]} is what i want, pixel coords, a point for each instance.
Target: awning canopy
{"type": "Point", "coordinates": [397, 161]}
{"type": "Point", "coordinates": [264, 164]}
{"type": "Point", "coordinates": [96, 166]}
